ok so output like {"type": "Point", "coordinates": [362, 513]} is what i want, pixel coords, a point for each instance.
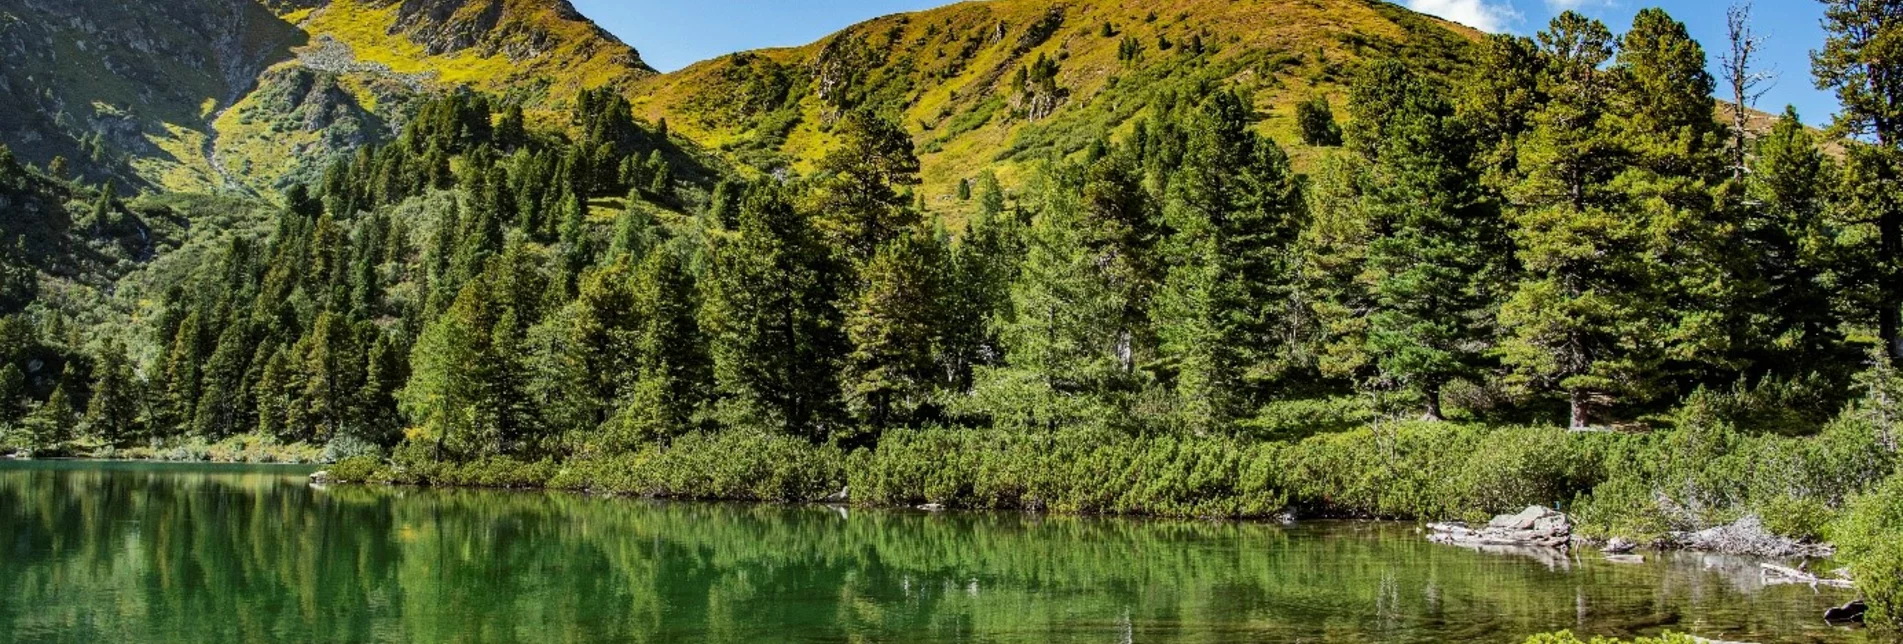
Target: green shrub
{"type": "Point", "coordinates": [1567, 637]}
{"type": "Point", "coordinates": [1870, 538]}
{"type": "Point", "coordinates": [358, 469]}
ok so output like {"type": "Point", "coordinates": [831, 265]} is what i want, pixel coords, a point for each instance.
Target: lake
{"type": "Point", "coordinates": [127, 552]}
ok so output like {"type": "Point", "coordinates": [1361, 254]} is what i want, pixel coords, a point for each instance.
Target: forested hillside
{"type": "Point", "coordinates": [1249, 278]}
{"type": "Point", "coordinates": [998, 86]}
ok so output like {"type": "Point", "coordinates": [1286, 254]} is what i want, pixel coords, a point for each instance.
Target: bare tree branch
{"type": "Point", "coordinates": [1747, 84]}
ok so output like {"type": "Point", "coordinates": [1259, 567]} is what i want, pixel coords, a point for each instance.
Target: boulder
{"type": "Point", "coordinates": [1851, 612]}
{"type": "Point", "coordinates": [1619, 546]}
{"type": "Point", "coordinates": [932, 507]}
{"type": "Point", "coordinates": [1535, 526]}
{"type": "Point", "coordinates": [320, 477]}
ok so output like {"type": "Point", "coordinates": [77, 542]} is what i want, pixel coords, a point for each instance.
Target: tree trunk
{"type": "Point", "coordinates": [1432, 392]}
{"type": "Point", "coordinates": [1581, 415]}
{"type": "Point", "coordinates": [1890, 312]}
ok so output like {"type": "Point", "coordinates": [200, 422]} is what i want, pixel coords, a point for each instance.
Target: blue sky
{"type": "Point", "coordinates": [672, 34]}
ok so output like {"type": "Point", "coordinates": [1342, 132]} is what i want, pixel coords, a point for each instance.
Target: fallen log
{"type": "Point", "coordinates": [1776, 574]}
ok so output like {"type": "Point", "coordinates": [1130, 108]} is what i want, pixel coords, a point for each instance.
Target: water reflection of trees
{"type": "Point", "coordinates": [248, 556]}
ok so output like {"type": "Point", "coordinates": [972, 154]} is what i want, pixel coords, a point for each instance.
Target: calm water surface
{"type": "Point", "coordinates": [116, 552]}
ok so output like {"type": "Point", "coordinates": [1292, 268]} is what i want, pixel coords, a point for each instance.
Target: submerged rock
{"type": "Point", "coordinates": [1619, 546]}
{"type": "Point", "coordinates": [1535, 526]}
{"type": "Point", "coordinates": [1851, 612]}
{"type": "Point", "coordinates": [1747, 536]}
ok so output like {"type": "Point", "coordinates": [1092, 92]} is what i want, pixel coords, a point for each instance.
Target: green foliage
{"type": "Point", "coordinates": [1870, 535]}
{"type": "Point", "coordinates": [1316, 118]}
{"type": "Point", "coordinates": [1567, 637]}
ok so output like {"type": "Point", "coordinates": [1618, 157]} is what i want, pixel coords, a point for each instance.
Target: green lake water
{"type": "Point", "coordinates": [119, 552]}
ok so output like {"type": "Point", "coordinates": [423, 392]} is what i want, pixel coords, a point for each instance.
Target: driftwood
{"type": "Point", "coordinates": [1776, 574]}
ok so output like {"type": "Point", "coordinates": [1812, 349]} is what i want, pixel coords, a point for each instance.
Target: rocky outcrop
{"type": "Point", "coordinates": [1533, 527]}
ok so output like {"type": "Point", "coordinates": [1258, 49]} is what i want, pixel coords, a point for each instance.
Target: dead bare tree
{"type": "Point", "coordinates": [1747, 84]}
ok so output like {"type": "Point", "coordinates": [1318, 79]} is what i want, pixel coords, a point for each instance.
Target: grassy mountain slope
{"type": "Point", "coordinates": [963, 78]}
{"type": "Point", "coordinates": [206, 94]}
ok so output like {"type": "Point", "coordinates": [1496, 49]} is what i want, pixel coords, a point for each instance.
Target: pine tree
{"type": "Point", "coordinates": [1498, 100]}
{"type": "Point", "coordinates": [1861, 58]}
{"type": "Point", "coordinates": [224, 409]}
{"type": "Point", "coordinates": [893, 322]}
{"type": "Point", "coordinates": [333, 369]}
{"type": "Point", "coordinates": [1316, 118]}
{"type": "Point", "coordinates": [773, 318]}
{"type": "Point", "coordinates": [112, 412]}
{"type": "Point", "coordinates": [861, 208]}
{"type": "Point", "coordinates": [1234, 209]}
{"type": "Point", "coordinates": [274, 394]}
{"type": "Point", "coordinates": [13, 394]}
{"type": "Point", "coordinates": [1061, 345]}
{"type": "Point", "coordinates": [1674, 183]}
{"type": "Point", "coordinates": [1794, 247]}
{"type": "Point", "coordinates": [674, 375]}
{"type": "Point", "coordinates": [1576, 321]}
{"type": "Point", "coordinates": [178, 402]}
{"type": "Point", "coordinates": [51, 424]}
{"type": "Point", "coordinates": [1431, 273]}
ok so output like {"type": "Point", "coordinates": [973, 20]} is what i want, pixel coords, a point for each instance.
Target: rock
{"type": "Point", "coordinates": [1525, 520]}
{"type": "Point", "coordinates": [1619, 546]}
{"type": "Point", "coordinates": [1747, 536]}
{"type": "Point", "coordinates": [320, 477]}
{"type": "Point", "coordinates": [1851, 612]}
{"type": "Point", "coordinates": [932, 507]}
{"type": "Point", "coordinates": [1535, 526]}
{"type": "Point", "coordinates": [1625, 559]}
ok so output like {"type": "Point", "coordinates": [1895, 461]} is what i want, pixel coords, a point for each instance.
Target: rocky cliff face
{"type": "Point", "coordinates": [147, 93]}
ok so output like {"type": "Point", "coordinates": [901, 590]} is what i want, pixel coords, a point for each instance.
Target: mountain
{"type": "Point", "coordinates": [991, 85]}
{"type": "Point", "coordinates": [250, 94]}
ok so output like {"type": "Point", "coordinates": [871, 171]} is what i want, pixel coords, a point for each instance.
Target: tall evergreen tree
{"type": "Point", "coordinates": [674, 377]}
{"type": "Point", "coordinates": [112, 413]}
{"type": "Point", "coordinates": [1862, 59]}
{"type": "Point", "coordinates": [772, 314]}
{"type": "Point", "coordinates": [1234, 210]}
{"type": "Point", "coordinates": [1432, 272]}
{"type": "Point", "coordinates": [861, 208]}
{"type": "Point", "coordinates": [893, 322]}
{"type": "Point", "coordinates": [1577, 320]}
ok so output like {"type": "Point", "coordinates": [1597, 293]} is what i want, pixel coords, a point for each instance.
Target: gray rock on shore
{"type": "Point", "coordinates": [1747, 536]}
{"type": "Point", "coordinates": [1535, 526]}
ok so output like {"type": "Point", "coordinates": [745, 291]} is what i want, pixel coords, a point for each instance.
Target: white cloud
{"type": "Point", "coordinates": [1575, 5]}
{"type": "Point", "coordinates": [1491, 17]}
